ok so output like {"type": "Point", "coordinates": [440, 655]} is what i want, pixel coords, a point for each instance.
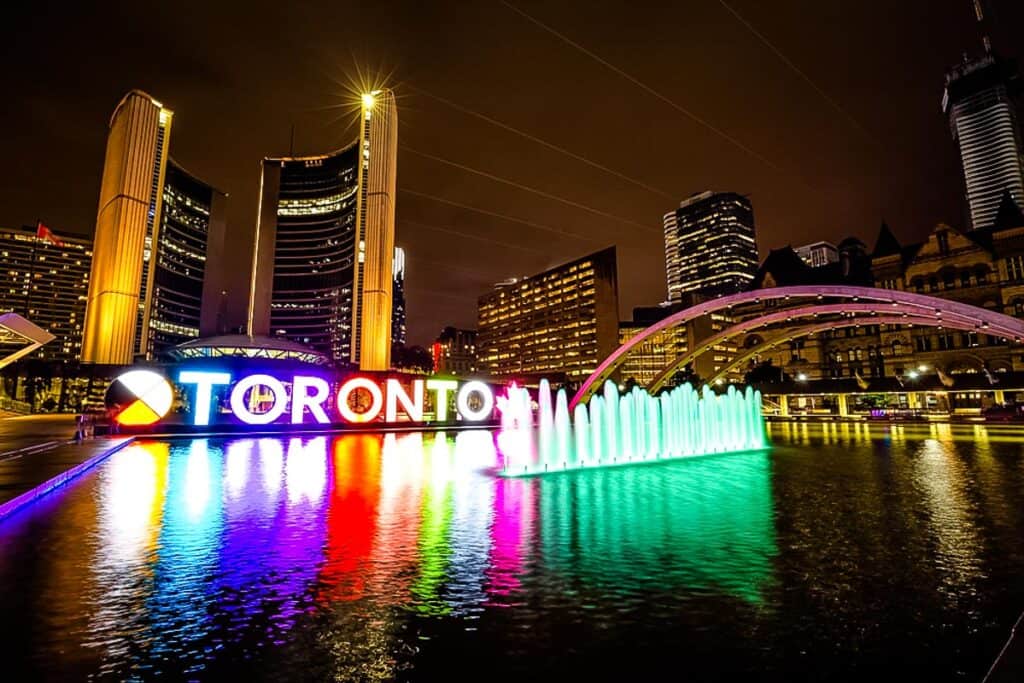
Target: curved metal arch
{"type": "Point", "coordinates": [795, 333]}
{"type": "Point", "coordinates": [984, 317]}
{"type": "Point", "coordinates": [772, 318]}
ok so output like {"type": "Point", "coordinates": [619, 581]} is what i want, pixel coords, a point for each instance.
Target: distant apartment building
{"type": "Point", "coordinates": [649, 359]}
{"type": "Point", "coordinates": [818, 254]}
{"type": "Point", "coordinates": [564, 320]}
{"type": "Point", "coordinates": [710, 245]}
{"type": "Point", "coordinates": [454, 352]}
{"type": "Point", "coordinates": [646, 360]}
{"type": "Point", "coordinates": [47, 282]}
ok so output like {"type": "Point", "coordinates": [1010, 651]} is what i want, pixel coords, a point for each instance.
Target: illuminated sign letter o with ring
{"type": "Point", "coordinates": [376, 399]}
{"type": "Point", "coordinates": [486, 400]}
{"type": "Point", "coordinates": [241, 410]}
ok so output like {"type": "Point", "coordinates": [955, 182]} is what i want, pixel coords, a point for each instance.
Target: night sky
{"type": "Point", "coordinates": [858, 138]}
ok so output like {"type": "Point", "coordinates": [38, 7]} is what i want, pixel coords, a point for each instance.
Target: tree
{"type": "Point", "coordinates": [414, 358]}
{"type": "Point", "coordinates": [765, 373]}
{"type": "Point", "coordinates": [11, 374]}
{"type": "Point", "coordinates": [687, 374]}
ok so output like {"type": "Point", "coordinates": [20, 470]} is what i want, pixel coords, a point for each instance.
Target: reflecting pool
{"type": "Point", "coordinates": [845, 551]}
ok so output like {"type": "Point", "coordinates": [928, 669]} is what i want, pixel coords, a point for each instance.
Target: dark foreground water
{"type": "Point", "coordinates": [842, 554]}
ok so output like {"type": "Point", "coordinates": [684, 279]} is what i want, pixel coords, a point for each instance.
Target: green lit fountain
{"type": "Point", "coordinates": [630, 428]}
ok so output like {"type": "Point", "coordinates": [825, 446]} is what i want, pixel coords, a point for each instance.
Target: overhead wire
{"type": "Point", "coordinates": [646, 88]}
{"type": "Point", "coordinates": [542, 142]}
{"type": "Point", "coordinates": [502, 216]}
{"type": "Point", "coordinates": [527, 188]}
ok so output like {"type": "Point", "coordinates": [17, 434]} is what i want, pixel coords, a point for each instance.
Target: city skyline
{"type": "Point", "coordinates": [221, 98]}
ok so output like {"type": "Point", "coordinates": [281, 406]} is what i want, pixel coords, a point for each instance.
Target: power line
{"type": "Point", "coordinates": [460, 297]}
{"type": "Point", "coordinates": [448, 266]}
{"type": "Point", "coordinates": [778, 53]}
{"type": "Point", "coordinates": [646, 88]}
{"type": "Point", "coordinates": [507, 245]}
{"type": "Point", "coordinates": [543, 143]}
{"type": "Point", "coordinates": [523, 221]}
{"type": "Point", "coordinates": [526, 188]}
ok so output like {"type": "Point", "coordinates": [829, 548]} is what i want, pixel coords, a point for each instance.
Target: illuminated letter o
{"type": "Point", "coordinates": [241, 410]}
{"type": "Point", "coordinates": [462, 401]}
{"type": "Point", "coordinates": [376, 399]}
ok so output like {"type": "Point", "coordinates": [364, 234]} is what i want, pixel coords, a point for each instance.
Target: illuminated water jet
{"type": "Point", "coordinates": [630, 428]}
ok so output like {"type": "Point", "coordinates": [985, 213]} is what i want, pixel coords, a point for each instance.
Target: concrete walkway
{"type": "Point", "coordinates": [28, 473]}
{"type": "Point", "coordinates": [31, 430]}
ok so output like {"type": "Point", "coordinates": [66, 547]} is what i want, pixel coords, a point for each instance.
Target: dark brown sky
{"type": "Point", "coordinates": [238, 78]}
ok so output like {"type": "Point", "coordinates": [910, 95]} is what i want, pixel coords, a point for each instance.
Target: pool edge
{"type": "Point", "coordinates": [41, 489]}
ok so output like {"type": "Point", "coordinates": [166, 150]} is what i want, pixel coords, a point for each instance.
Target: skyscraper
{"type": "Point", "coordinates": [47, 283]}
{"type": "Point", "coordinates": [303, 266]}
{"type": "Point", "coordinates": [155, 280]}
{"type": "Point", "coordinates": [398, 298]}
{"type": "Point", "coordinates": [133, 175]}
{"type": "Point", "coordinates": [377, 177]}
{"type": "Point", "coordinates": [978, 99]}
{"type": "Point", "coordinates": [325, 234]}
{"type": "Point", "coordinates": [710, 245]}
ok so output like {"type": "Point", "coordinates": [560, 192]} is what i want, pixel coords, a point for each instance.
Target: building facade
{"type": "Point", "coordinates": [47, 283]}
{"type": "Point", "coordinates": [454, 352]}
{"type": "Point", "coordinates": [188, 298]}
{"type": "Point", "coordinates": [984, 268]}
{"type": "Point", "coordinates": [323, 259]}
{"type": "Point", "coordinates": [710, 245]}
{"type": "Point", "coordinates": [563, 320]}
{"type": "Point", "coordinates": [398, 331]}
{"type": "Point", "coordinates": [646, 360]}
{"type": "Point", "coordinates": [979, 101]}
{"type": "Point", "coordinates": [304, 258]}
{"type": "Point", "coordinates": [818, 254]}
{"type": "Point", "coordinates": [155, 279]}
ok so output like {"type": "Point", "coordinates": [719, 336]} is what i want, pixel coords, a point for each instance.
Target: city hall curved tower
{"type": "Point", "coordinates": [156, 278]}
{"type": "Point", "coordinates": [325, 234]}
{"type": "Point", "coordinates": [126, 223]}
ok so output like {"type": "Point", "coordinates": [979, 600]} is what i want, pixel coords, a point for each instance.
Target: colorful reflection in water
{"type": "Point", "coordinates": [373, 557]}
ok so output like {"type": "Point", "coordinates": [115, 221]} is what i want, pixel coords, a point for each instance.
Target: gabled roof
{"type": "Point", "coordinates": [1009, 214]}
{"type": "Point", "coordinates": [785, 267]}
{"type": "Point", "coordinates": [886, 244]}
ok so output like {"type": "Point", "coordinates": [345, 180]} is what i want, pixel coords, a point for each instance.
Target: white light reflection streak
{"type": "Point", "coordinates": [271, 453]}
{"type": "Point", "coordinates": [197, 479]}
{"type": "Point", "coordinates": [236, 466]}
{"type": "Point", "coordinates": [306, 470]}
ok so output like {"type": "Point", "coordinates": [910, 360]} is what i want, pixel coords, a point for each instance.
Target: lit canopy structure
{"type": "Point", "coordinates": [15, 329]}
{"type": "Point", "coordinates": [896, 306]}
{"type": "Point", "coordinates": [248, 346]}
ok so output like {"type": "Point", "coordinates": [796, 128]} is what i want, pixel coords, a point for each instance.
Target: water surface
{"type": "Point", "coordinates": [843, 553]}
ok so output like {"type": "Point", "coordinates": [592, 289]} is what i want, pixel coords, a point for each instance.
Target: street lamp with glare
{"type": "Point", "coordinates": [912, 374]}
{"type": "Point", "coordinates": [801, 377]}
{"type": "Point", "coordinates": [922, 368]}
